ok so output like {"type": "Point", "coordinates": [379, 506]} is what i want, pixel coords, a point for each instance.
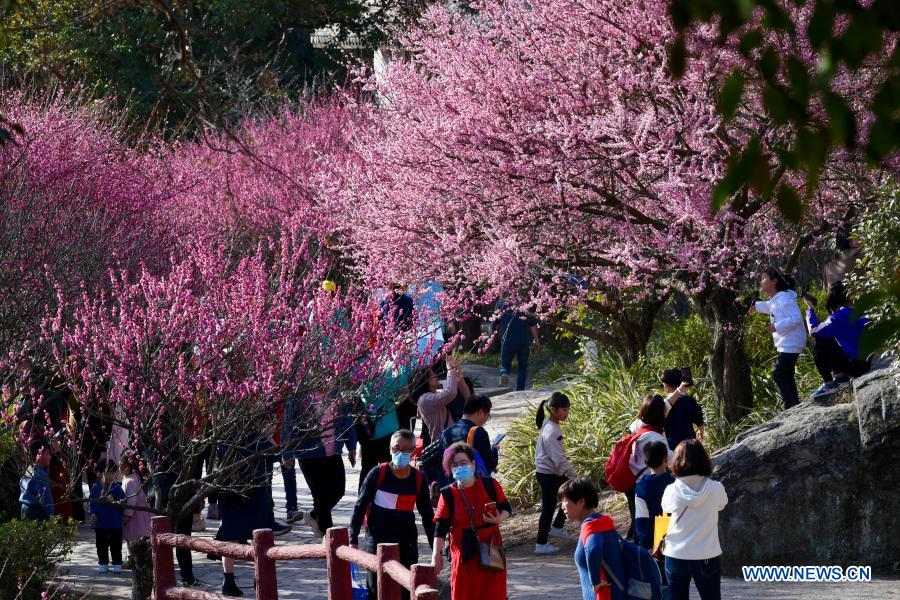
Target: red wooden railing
{"type": "Point", "coordinates": [392, 575]}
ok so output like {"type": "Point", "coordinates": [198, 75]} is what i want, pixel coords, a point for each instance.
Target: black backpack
{"type": "Point", "coordinates": [433, 453]}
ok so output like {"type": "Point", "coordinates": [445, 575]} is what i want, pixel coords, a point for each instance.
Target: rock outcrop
{"type": "Point", "coordinates": [819, 485]}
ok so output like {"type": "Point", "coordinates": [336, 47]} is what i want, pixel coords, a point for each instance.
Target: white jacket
{"type": "Point", "coordinates": [784, 312]}
{"type": "Point", "coordinates": [550, 456]}
{"type": "Point", "coordinates": [695, 502]}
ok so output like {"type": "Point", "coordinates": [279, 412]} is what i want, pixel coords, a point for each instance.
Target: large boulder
{"type": "Point", "coordinates": [819, 485]}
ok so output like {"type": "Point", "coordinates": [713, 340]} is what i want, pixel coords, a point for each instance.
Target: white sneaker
{"type": "Point", "coordinates": [101, 569]}
{"type": "Point", "coordinates": [116, 569]}
{"type": "Point", "coordinates": [199, 523]}
{"type": "Point", "coordinates": [311, 523]}
{"type": "Point", "coordinates": [560, 533]}
{"type": "Point", "coordinates": [545, 549]}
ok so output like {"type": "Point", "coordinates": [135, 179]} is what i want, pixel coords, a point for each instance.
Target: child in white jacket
{"type": "Point", "coordinates": [553, 469]}
{"type": "Point", "coordinates": [788, 330]}
{"type": "Point", "coordinates": [692, 547]}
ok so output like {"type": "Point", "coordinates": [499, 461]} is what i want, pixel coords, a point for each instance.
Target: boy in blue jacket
{"type": "Point", "coordinates": [648, 492]}
{"type": "Point", "coordinates": [598, 555]}
{"type": "Point", "coordinates": [106, 498]}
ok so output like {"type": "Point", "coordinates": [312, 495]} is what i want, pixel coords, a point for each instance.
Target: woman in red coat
{"type": "Point", "coordinates": [470, 502]}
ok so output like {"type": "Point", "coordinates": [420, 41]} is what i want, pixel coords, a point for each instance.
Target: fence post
{"type": "Point", "coordinates": [163, 562]}
{"type": "Point", "coordinates": [424, 575]}
{"type": "Point", "coordinates": [337, 570]}
{"type": "Point", "coordinates": [388, 589]}
{"type": "Point", "coordinates": [263, 566]}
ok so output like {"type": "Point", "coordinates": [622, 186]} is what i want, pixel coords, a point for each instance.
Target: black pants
{"type": "Point", "coordinates": [831, 361]}
{"type": "Point", "coordinates": [326, 480]}
{"type": "Point", "coordinates": [549, 503]}
{"type": "Point", "coordinates": [373, 453]}
{"type": "Point", "coordinates": [783, 374]}
{"type": "Point", "coordinates": [409, 555]}
{"type": "Point", "coordinates": [109, 542]}
{"type": "Point", "coordinates": [631, 510]}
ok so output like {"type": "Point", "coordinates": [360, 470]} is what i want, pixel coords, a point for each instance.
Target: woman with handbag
{"type": "Point", "coordinates": [471, 510]}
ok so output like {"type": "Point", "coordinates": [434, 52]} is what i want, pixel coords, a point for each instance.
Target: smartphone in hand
{"type": "Point", "coordinates": [490, 509]}
{"type": "Point", "coordinates": [686, 377]}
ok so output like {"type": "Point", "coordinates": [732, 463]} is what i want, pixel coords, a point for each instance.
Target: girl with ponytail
{"type": "Point", "coordinates": [553, 469]}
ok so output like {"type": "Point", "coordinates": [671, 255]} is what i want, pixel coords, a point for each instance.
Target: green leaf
{"type": "Point", "coordinates": [677, 57]}
{"type": "Point", "coordinates": [841, 121]}
{"type": "Point", "coordinates": [876, 335]}
{"type": "Point", "coordinates": [789, 204]}
{"type": "Point", "coordinates": [799, 78]}
{"type": "Point", "coordinates": [750, 40]}
{"type": "Point", "coordinates": [776, 19]}
{"type": "Point", "coordinates": [821, 24]}
{"type": "Point", "coordinates": [730, 95]}
{"type": "Point", "coordinates": [776, 104]}
{"type": "Point", "coordinates": [680, 13]}
{"type": "Point", "coordinates": [769, 63]}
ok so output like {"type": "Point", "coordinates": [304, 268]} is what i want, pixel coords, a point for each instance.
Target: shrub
{"type": "Point", "coordinates": [29, 554]}
{"type": "Point", "coordinates": [606, 400]}
{"type": "Point", "coordinates": [875, 278]}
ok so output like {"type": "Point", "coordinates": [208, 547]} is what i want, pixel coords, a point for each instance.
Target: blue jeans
{"type": "Point", "coordinates": [520, 353]}
{"type": "Point", "coordinates": [707, 576]}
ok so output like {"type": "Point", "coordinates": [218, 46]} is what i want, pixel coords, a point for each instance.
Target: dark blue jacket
{"type": "Point", "coordinates": [648, 495]}
{"type": "Point", "coordinates": [35, 496]}
{"type": "Point", "coordinates": [108, 515]}
{"type": "Point", "coordinates": [842, 325]}
{"type": "Point", "coordinates": [515, 329]}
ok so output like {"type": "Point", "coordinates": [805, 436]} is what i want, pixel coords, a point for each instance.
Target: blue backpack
{"type": "Point", "coordinates": [642, 578]}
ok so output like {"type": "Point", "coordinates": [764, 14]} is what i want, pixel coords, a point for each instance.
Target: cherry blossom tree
{"type": "Point", "coordinates": [74, 201]}
{"type": "Point", "coordinates": [542, 151]}
{"type": "Point", "coordinates": [238, 186]}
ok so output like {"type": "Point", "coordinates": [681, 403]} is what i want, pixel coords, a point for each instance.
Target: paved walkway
{"type": "Point", "coordinates": [530, 577]}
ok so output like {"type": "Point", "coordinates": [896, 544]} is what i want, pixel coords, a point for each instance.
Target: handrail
{"type": "Point", "coordinates": [392, 575]}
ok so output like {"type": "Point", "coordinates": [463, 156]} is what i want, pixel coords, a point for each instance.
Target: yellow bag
{"type": "Point", "coordinates": [660, 527]}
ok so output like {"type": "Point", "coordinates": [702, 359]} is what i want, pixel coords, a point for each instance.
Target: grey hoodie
{"type": "Point", "coordinates": [695, 502]}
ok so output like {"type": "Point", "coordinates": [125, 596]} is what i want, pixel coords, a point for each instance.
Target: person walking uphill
{"type": "Point", "coordinates": [518, 330]}
{"type": "Point", "coordinates": [552, 469]}
{"type": "Point", "coordinates": [471, 511]}
{"type": "Point", "coordinates": [388, 496]}
{"type": "Point", "coordinates": [788, 330]}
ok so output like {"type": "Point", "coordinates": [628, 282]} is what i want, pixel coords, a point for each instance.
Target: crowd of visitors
{"type": "Point", "coordinates": [445, 472]}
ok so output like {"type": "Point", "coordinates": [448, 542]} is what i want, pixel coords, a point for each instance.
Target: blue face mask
{"type": "Point", "coordinates": [463, 473]}
{"type": "Point", "coordinates": [400, 459]}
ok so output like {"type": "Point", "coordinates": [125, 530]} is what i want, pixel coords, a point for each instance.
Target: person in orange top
{"type": "Point", "coordinates": [470, 503]}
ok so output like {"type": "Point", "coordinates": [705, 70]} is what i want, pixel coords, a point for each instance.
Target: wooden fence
{"type": "Point", "coordinates": [392, 575]}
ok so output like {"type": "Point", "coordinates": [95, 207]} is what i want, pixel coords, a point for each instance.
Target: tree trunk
{"type": "Point", "coordinates": [623, 328]}
{"type": "Point", "coordinates": [728, 365]}
{"type": "Point", "coordinates": [141, 569]}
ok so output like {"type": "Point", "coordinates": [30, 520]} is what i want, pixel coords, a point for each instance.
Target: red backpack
{"type": "Point", "coordinates": [617, 472]}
